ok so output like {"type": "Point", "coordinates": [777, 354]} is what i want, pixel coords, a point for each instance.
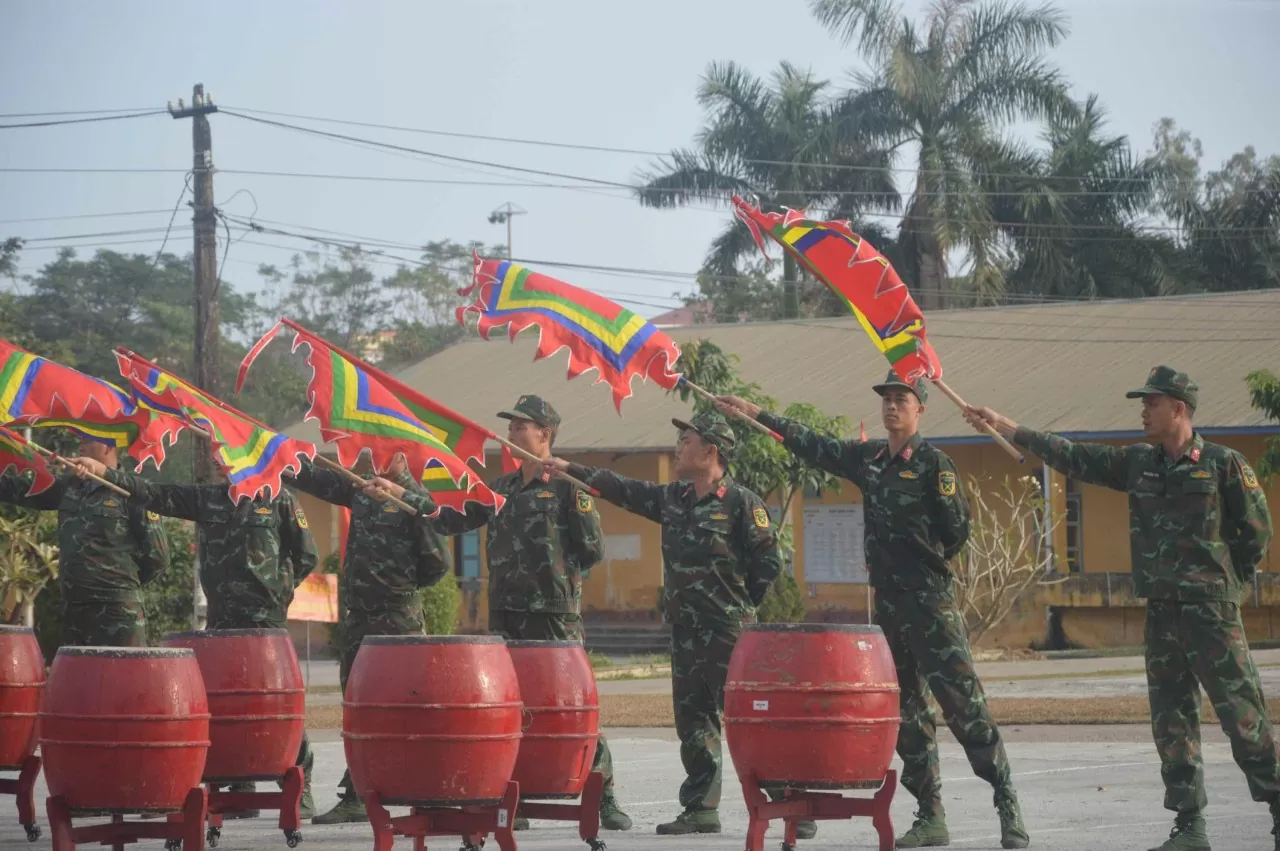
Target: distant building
{"type": "Point", "coordinates": [1062, 367]}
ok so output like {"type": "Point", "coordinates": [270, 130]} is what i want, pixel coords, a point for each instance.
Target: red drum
{"type": "Point", "coordinates": [257, 701]}
{"type": "Point", "coordinates": [124, 729]}
{"type": "Point", "coordinates": [21, 692]}
{"type": "Point", "coordinates": [814, 706]}
{"type": "Point", "coordinates": [432, 720]}
{"type": "Point", "coordinates": [561, 717]}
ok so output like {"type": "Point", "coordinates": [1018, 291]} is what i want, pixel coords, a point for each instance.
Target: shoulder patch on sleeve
{"type": "Point", "coordinates": [302, 518]}
{"type": "Point", "coordinates": [153, 517]}
{"type": "Point", "coordinates": [761, 517]}
{"type": "Point", "coordinates": [947, 483]}
{"type": "Point", "coordinates": [584, 502]}
{"type": "Point", "coordinates": [1250, 478]}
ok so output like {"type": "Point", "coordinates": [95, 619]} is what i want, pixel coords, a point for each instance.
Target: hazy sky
{"type": "Point", "coordinates": [598, 73]}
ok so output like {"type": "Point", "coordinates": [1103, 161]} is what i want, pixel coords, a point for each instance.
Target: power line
{"type": "Point", "coordinates": [72, 112]}
{"type": "Point", "coordinates": [58, 122]}
{"type": "Point", "coordinates": [121, 214]}
{"type": "Point", "coordinates": [446, 157]}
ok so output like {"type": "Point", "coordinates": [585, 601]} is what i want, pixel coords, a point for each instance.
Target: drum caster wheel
{"type": "Point", "coordinates": [293, 837]}
{"type": "Point", "coordinates": [786, 847]}
{"type": "Point", "coordinates": [173, 845]}
{"type": "Point", "coordinates": [596, 844]}
{"type": "Point", "coordinates": [33, 832]}
{"type": "Point", "coordinates": [211, 836]}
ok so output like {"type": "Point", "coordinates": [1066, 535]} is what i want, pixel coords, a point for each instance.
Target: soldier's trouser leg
{"type": "Point", "coordinates": [354, 629]}
{"type": "Point", "coordinates": [119, 623]}
{"type": "Point", "coordinates": [931, 628]}
{"type": "Point", "coordinates": [548, 626]}
{"type": "Point", "coordinates": [699, 668]}
{"type": "Point", "coordinates": [1186, 642]}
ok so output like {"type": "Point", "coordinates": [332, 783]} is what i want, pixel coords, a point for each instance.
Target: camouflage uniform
{"type": "Point", "coordinates": [253, 555]}
{"type": "Point", "coordinates": [720, 555]}
{"type": "Point", "coordinates": [108, 548]}
{"type": "Point", "coordinates": [539, 547]}
{"type": "Point", "coordinates": [916, 520]}
{"type": "Point", "coordinates": [387, 559]}
{"type": "Point", "coordinates": [1198, 527]}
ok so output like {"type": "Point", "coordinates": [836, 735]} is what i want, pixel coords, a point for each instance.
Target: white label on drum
{"type": "Point", "coordinates": [759, 705]}
{"type": "Point", "coordinates": [864, 645]}
{"type": "Point", "coordinates": [502, 818]}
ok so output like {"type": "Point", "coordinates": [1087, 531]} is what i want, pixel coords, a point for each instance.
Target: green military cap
{"type": "Point", "coordinates": [712, 428]}
{"type": "Point", "coordinates": [533, 408]}
{"type": "Point", "coordinates": [1167, 381]}
{"type": "Point", "coordinates": [893, 380]}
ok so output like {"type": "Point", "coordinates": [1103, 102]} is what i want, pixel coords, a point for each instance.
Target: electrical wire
{"type": "Point", "coordinates": [62, 121]}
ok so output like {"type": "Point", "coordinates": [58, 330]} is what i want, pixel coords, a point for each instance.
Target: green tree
{"type": "Point", "coordinates": [1073, 214]}
{"type": "Point", "coordinates": [775, 141]}
{"type": "Point", "coordinates": [337, 297]}
{"type": "Point", "coordinates": [1264, 391]}
{"type": "Point", "coordinates": [1227, 221]}
{"type": "Point", "coordinates": [28, 560]}
{"type": "Point", "coordinates": [946, 88]}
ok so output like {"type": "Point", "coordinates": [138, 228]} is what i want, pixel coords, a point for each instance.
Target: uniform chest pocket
{"type": "Point", "coordinates": [1197, 488]}
{"type": "Point", "coordinates": [711, 536]}
{"type": "Point", "coordinates": [103, 519]}
{"type": "Point", "coordinates": [1149, 486]}
{"type": "Point", "coordinates": [386, 516]}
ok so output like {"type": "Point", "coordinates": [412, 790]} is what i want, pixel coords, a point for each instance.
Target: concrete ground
{"type": "Point", "coordinates": [1081, 788]}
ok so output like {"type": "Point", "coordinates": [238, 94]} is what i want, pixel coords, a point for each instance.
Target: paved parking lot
{"type": "Point", "coordinates": [1081, 788]}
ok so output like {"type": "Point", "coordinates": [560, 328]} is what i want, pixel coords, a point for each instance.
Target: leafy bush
{"type": "Point", "coordinates": [440, 606]}
{"type": "Point", "coordinates": [784, 603]}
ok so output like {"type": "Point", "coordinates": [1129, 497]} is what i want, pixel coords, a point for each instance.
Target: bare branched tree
{"type": "Point", "coordinates": [1008, 551]}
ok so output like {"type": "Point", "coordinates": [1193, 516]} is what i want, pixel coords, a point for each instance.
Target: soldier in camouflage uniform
{"type": "Point", "coordinates": [387, 559]}
{"type": "Point", "coordinates": [720, 555]}
{"type": "Point", "coordinates": [1198, 528]}
{"type": "Point", "coordinates": [253, 555]}
{"type": "Point", "coordinates": [539, 547]}
{"type": "Point", "coordinates": [108, 548]}
{"type": "Point", "coordinates": [916, 521]}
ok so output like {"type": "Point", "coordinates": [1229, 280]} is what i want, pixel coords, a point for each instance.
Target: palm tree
{"type": "Point", "coordinates": [947, 88]}
{"type": "Point", "coordinates": [775, 142]}
{"type": "Point", "coordinates": [1072, 214]}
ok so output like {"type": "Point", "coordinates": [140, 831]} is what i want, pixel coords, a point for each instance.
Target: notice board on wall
{"type": "Point", "coordinates": [833, 544]}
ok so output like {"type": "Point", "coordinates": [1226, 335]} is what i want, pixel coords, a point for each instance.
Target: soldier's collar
{"type": "Point", "coordinates": [909, 449]}
{"type": "Point", "coordinates": [718, 490]}
{"type": "Point", "coordinates": [1193, 452]}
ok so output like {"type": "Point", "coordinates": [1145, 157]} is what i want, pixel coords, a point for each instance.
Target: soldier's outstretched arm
{"type": "Point", "coordinates": [586, 540]}
{"type": "Point", "coordinates": [1246, 519]}
{"type": "Point", "coordinates": [150, 541]}
{"type": "Point", "coordinates": [181, 501]}
{"type": "Point", "coordinates": [949, 507]}
{"type": "Point", "coordinates": [296, 543]}
{"type": "Point", "coordinates": [763, 560]}
{"type": "Point", "coordinates": [642, 498]}
{"type": "Point", "coordinates": [1093, 463]}
{"type": "Point", "coordinates": [323, 483]}
{"type": "Point", "coordinates": [842, 458]}
{"type": "Point", "coordinates": [13, 490]}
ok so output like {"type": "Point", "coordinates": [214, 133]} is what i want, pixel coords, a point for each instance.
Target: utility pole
{"type": "Point", "coordinates": [505, 214]}
{"type": "Point", "coordinates": [205, 225]}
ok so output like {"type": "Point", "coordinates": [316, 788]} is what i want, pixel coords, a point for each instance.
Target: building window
{"type": "Point", "coordinates": [1074, 527]}
{"type": "Point", "coordinates": [466, 555]}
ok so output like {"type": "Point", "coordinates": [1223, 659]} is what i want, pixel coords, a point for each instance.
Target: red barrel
{"type": "Point", "coordinates": [561, 717]}
{"type": "Point", "coordinates": [257, 703]}
{"type": "Point", "coordinates": [21, 691]}
{"type": "Point", "coordinates": [814, 706]}
{"type": "Point", "coordinates": [432, 720]}
{"type": "Point", "coordinates": [124, 729]}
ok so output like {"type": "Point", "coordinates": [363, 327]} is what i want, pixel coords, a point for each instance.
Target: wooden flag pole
{"type": "Point", "coordinates": [529, 456]}
{"type": "Point", "coordinates": [749, 420]}
{"type": "Point", "coordinates": [995, 435]}
{"type": "Point", "coordinates": [56, 457]}
{"type": "Point", "coordinates": [356, 480]}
